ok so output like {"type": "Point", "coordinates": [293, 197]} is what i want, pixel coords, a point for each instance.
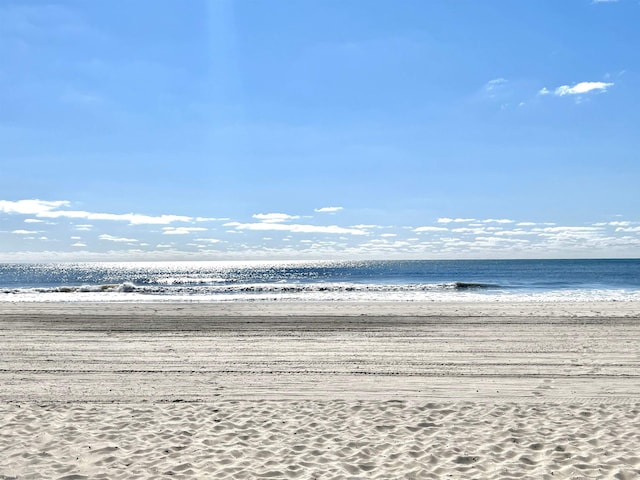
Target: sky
{"type": "Point", "coordinates": [319, 129]}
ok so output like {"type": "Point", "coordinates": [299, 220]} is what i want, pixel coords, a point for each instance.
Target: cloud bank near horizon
{"type": "Point", "coordinates": [114, 236]}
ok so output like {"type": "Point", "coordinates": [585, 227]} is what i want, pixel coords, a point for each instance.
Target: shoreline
{"type": "Point", "coordinates": [489, 308]}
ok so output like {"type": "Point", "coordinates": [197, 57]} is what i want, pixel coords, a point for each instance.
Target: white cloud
{"type": "Point", "coordinates": [32, 220]}
{"type": "Point", "coordinates": [430, 229]}
{"type": "Point", "coordinates": [366, 226]}
{"type": "Point", "coordinates": [182, 230]}
{"type": "Point", "coordinates": [79, 244]}
{"type": "Point", "coordinates": [571, 234]}
{"type": "Point", "coordinates": [328, 209]}
{"type": "Point", "coordinates": [296, 228]}
{"type": "Point", "coordinates": [84, 227]}
{"type": "Point", "coordinates": [274, 217]}
{"type": "Point", "coordinates": [208, 240]}
{"type": "Point", "coordinates": [582, 87]}
{"type": "Point", "coordinates": [516, 232]}
{"type": "Point", "coordinates": [111, 238]}
{"type": "Point", "coordinates": [578, 88]}
{"type": "Point", "coordinates": [132, 218]}
{"type": "Point", "coordinates": [492, 84]}
{"type": "Point", "coordinates": [454, 220]}
{"type": "Point", "coordinates": [25, 232]}
{"type": "Point", "coordinates": [567, 229]}
{"type": "Point", "coordinates": [498, 87]}
{"type": "Point", "coordinates": [30, 207]}
{"type": "Point", "coordinates": [474, 230]}
{"type": "Point", "coordinates": [52, 209]}
{"type": "Point", "coordinates": [211, 219]}
{"type": "Point", "coordinates": [497, 220]}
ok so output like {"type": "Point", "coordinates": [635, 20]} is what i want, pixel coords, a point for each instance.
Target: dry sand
{"type": "Point", "coordinates": [335, 390]}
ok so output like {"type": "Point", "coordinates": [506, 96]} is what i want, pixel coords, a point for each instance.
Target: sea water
{"type": "Point", "coordinates": [428, 280]}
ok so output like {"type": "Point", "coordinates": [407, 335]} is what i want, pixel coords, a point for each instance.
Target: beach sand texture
{"type": "Point", "coordinates": [336, 390]}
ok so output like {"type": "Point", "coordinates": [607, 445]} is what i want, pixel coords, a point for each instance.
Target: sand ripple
{"type": "Point", "coordinates": [320, 439]}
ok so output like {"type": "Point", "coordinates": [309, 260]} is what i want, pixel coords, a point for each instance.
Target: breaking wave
{"type": "Point", "coordinates": [188, 287]}
{"type": "Point", "coordinates": [305, 292]}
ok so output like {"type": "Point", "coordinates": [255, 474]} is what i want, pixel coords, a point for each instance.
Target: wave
{"type": "Point", "coordinates": [468, 285]}
{"type": "Point", "coordinates": [316, 291]}
{"type": "Point", "coordinates": [170, 287]}
{"type": "Point", "coordinates": [119, 288]}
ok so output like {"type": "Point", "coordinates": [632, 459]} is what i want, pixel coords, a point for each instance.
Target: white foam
{"type": "Point", "coordinates": [308, 292]}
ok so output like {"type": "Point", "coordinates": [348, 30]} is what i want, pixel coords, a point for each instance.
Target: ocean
{"type": "Point", "coordinates": [428, 280]}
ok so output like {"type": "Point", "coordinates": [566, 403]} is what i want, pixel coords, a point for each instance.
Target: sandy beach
{"type": "Point", "coordinates": [320, 390]}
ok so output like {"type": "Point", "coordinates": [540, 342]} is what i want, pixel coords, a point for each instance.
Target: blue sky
{"type": "Point", "coordinates": [319, 129]}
